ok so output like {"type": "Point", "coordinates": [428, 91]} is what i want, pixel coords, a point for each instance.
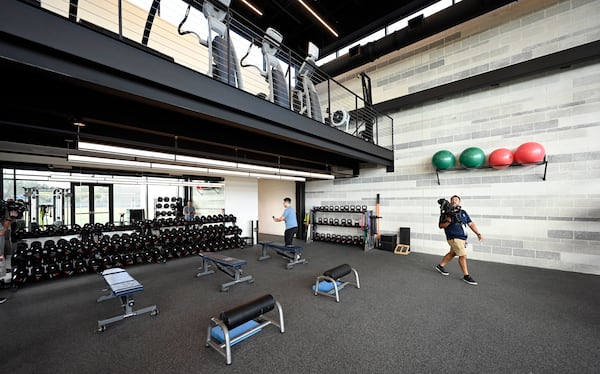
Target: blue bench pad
{"type": "Point", "coordinates": [325, 286]}
{"type": "Point", "coordinates": [217, 333]}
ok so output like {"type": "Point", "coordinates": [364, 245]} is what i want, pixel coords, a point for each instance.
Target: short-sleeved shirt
{"type": "Point", "coordinates": [457, 230]}
{"type": "Point", "coordinates": [289, 215]}
{"type": "Point", "coordinates": [190, 210]}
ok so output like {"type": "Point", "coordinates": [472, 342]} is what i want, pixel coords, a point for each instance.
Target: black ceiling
{"type": "Point", "coordinates": [351, 19]}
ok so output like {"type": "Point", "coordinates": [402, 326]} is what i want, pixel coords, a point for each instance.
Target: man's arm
{"type": "Point", "coordinates": [474, 228]}
{"type": "Point", "coordinates": [5, 225]}
{"type": "Point", "coordinates": [445, 222]}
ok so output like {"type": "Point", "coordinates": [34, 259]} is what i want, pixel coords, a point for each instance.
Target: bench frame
{"type": "Point", "coordinates": [292, 254]}
{"type": "Point", "coordinates": [335, 292]}
{"type": "Point", "coordinates": [127, 303]}
{"type": "Point", "coordinates": [225, 348]}
{"type": "Point", "coordinates": [232, 271]}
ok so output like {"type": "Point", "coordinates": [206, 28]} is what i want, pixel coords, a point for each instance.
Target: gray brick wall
{"type": "Point", "coordinates": [525, 220]}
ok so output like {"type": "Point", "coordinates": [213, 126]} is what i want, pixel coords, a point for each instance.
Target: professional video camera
{"type": "Point", "coordinates": [15, 208]}
{"type": "Point", "coordinates": [447, 209]}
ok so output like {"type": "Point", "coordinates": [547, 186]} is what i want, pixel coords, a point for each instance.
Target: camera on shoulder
{"type": "Point", "coordinates": [452, 211]}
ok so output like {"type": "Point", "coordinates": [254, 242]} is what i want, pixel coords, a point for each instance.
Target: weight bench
{"type": "Point", "coordinates": [240, 323]}
{"type": "Point", "coordinates": [122, 285]}
{"type": "Point", "coordinates": [228, 265]}
{"type": "Point", "coordinates": [330, 283]}
{"type": "Point", "coordinates": [291, 253]}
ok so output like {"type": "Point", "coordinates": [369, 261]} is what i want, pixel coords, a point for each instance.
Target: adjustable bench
{"type": "Point", "coordinates": [330, 283]}
{"type": "Point", "coordinates": [122, 285]}
{"type": "Point", "coordinates": [240, 323]}
{"type": "Point", "coordinates": [291, 253]}
{"type": "Point", "coordinates": [228, 265]}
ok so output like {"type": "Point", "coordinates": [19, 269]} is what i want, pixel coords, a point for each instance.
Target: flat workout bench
{"type": "Point", "coordinates": [228, 265]}
{"type": "Point", "coordinates": [330, 283]}
{"type": "Point", "coordinates": [291, 253]}
{"type": "Point", "coordinates": [122, 285]}
{"type": "Point", "coordinates": [240, 323]}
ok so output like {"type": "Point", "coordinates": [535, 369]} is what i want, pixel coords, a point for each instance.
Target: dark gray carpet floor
{"type": "Point", "coordinates": [406, 318]}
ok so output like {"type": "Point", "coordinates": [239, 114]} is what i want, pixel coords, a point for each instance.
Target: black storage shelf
{"type": "Point", "coordinates": [544, 162]}
{"type": "Point", "coordinates": [334, 225]}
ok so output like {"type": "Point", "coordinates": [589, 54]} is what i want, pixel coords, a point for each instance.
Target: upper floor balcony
{"type": "Point", "coordinates": [185, 76]}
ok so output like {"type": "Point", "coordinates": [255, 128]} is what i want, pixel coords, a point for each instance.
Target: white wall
{"type": "Point", "coordinates": [241, 200]}
{"type": "Point", "coordinates": [270, 203]}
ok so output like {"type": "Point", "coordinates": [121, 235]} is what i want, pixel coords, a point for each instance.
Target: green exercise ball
{"type": "Point", "coordinates": [443, 160]}
{"type": "Point", "coordinates": [472, 157]}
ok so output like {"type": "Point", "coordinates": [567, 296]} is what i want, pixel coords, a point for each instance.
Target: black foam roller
{"type": "Point", "coordinates": [338, 271]}
{"type": "Point", "coordinates": [245, 312]}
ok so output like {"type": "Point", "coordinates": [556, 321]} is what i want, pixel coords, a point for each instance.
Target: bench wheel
{"type": "Point", "coordinates": [226, 289]}
{"type": "Point", "coordinates": [101, 328]}
{"type": "Point", "coordinates": [154, 312]}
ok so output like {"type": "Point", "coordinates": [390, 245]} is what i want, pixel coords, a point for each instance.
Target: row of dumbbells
{"type": "Point", "coordinates": [347, 222]}
{"type": "Point", "coordinates": [38, 253]}
{"type": "Point", "coordinates": [340, 239]}
{"type": "Point", "coordinates": [53, 268]}
{"type": "Point", "coordinates": [342, 208]}
{"type": "Point", "coordinates": [75, 229]}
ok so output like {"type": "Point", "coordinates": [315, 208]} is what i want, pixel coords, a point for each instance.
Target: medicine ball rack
{"type": "Point", "coordinates": [354, 219]}
{"type": "Point", "coordinates": [543, 162]}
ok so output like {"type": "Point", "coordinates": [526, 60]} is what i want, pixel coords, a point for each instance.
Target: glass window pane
{"type": "Point", "coordinates": [208, 200]}
{"type": "Point", "coordinates": [127, 197]}
{"type": "Point", "coordinates": [101, 204]}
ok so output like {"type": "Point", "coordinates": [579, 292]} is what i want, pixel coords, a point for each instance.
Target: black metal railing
{"type": "Point", "coordinates": [218, 42]}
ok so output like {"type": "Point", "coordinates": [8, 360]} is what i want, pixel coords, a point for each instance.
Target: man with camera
{"type": "Point", "coordinates": [453, 220]}
{"type": "Point", "coordinates": [5, 244]}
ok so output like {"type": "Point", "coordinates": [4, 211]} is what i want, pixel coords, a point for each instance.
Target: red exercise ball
{"type": "Point", "coordinates": [501, 158]}
{"type": "Point", "coordinates": [530, 153]}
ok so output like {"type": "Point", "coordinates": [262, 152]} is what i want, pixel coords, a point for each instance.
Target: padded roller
{"type": "Point", "coordinates": [338, 271]}
{"type": "Point", "coordinates": [245, 312]}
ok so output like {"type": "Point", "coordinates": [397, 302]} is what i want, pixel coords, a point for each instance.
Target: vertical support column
{"type": "Point", "coordinates": [301, 209]}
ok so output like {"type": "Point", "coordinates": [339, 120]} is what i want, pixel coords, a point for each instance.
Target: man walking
{"type": "Point", "coordinates": [456, 235]}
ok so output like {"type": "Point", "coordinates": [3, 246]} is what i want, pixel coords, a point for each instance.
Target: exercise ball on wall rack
{"type": "Point", "coordinates": [472, 157]}
{"type": "Point", "coordinates": [530, 153]}
{"type": "Point", "coordinates": [443, 160]}
{"type": "Point", "coordinates": [501, 158]}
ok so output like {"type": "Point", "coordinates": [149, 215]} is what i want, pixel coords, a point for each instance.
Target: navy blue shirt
{"type": "Point", "coordinates": [456, 230]}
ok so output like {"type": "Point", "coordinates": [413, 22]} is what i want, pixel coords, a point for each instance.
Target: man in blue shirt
{"type": "Point", "coordinates": [456, 235]}
{"type": "Point", "coordinates": [189, 212]}
{"type": "Point", "coordinates": [291, 223]}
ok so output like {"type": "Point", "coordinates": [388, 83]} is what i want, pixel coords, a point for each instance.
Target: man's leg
{"type": "Point", "coordinates": [288, 237]}
{"type": "Point", "coordinates": [447, 258]}
{"type": "Point", "coordinates": [462, 261]}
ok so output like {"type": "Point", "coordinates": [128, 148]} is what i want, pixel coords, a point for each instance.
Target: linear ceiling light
{"type": "Point", "coordinates": [278, 177]}
{"type": "Point", "coordinates": [110, 149]}
{"type": "Point", "coordinates": [107, 161]}
{"type": "Point", "coordinates": [255, 9]}
{"type": "Point", "coordinates": [205, 161]}
{"type": "Point", "coordinates": [266, 169]}
{"type": "Point", "coordinates": [228, 172]}
{"type": "Point", "coordinates": [114, 150]}
{"type": "Point", "coordinates": [190, 169]}
{"type": "Point", "coordinates": [331, 30]}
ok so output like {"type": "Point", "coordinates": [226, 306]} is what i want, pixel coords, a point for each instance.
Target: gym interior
{"type": "Point", "coordinates": [148, 146]}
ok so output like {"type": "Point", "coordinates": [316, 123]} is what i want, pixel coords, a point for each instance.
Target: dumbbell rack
{"type": "Point", "coordinates": [213, 246]}
{"type": "Point", "coordinates": [331, 223]}
{"type": "Point", "coordinates": [163, 211]}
